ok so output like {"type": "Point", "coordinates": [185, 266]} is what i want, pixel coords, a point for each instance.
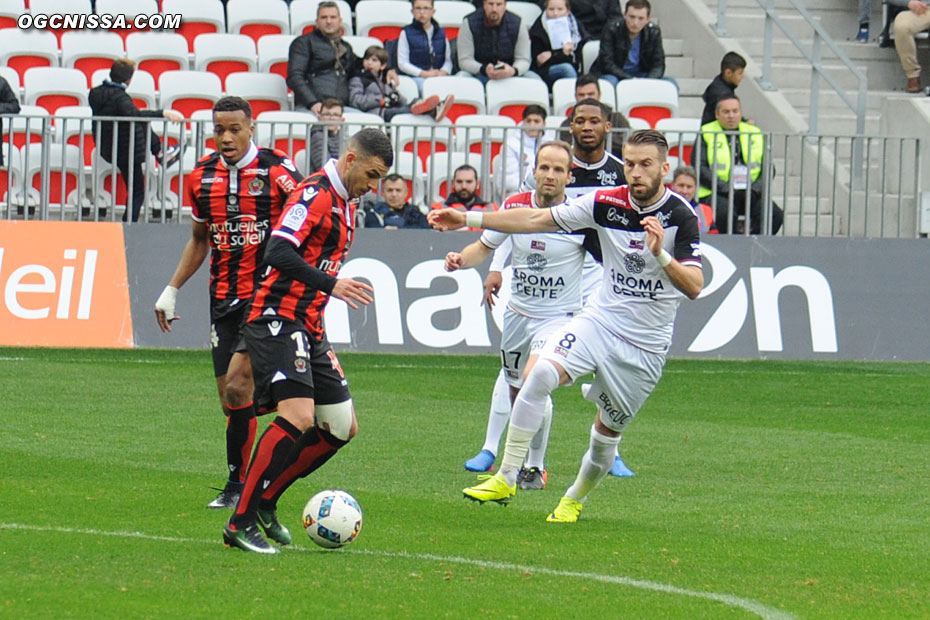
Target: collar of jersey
{"type": "Point", "coordinates": [658, 203]}
{"type": "Point", "coordinates": [247, 159]}
{"type": "Point", "coordinates": [330, 169]}
{"type": "Point", "coordinates": [583, 164]}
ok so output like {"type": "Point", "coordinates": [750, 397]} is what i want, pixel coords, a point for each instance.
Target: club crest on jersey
{"type": "Point", "coordinates": [300, 365]}
{"type": "Point", "coordinates": [536, 262]}
{"type": "Point", "coordinates": [295, 216]}
{"type": "Point", "coordinates": [616, 216]}
{"type": "Point", "coordinates": [536, 244]}
{"type": "Point", "coordinates": [605, 177]}
{"type": "Point", "coordinates": [255, 186]}
{"type": "Point", "coordinates": [634, 263]}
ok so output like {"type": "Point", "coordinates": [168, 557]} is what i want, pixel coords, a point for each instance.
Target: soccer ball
{"type": "Point", "coordinates": [332, 518]}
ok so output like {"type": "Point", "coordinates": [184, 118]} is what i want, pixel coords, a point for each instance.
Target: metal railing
{"type": "Point", "coordinates": [802, 174]}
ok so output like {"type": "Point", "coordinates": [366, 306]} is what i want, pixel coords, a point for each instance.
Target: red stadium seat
{"type": "Point", "coordinates": [53, 87]}
{"type": "Point", "coordinates": [257, 18]}
{"type": "Point", "coordinates": [157, 52]}
{"type": "Point", "coordinates": [223, 54]}
{"type": "Point", "coordinates": [200, 17]}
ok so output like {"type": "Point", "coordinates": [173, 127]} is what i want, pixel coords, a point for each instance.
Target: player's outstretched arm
{"type": "Point", "coordinates": [508, 221]}
{"type": "Point", "coordinates": [195, 251]}
{"type": "Point", "coordinates": [688, 279]}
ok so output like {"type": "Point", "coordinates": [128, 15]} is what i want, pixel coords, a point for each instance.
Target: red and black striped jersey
{"type": "Point", "coordinates": [319, 220]}
{"type": "Point", "coordinates": [239, 203]}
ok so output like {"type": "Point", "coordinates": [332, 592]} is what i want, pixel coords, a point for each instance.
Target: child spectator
{"type": "Point", "coordinates": [422, 48]}
{"type": "Point", "coordinates": [556, 39]}
{"type": "Point", "coordinates": [732, 66]}
{"type": "Point", "coordinates": [370, 92]}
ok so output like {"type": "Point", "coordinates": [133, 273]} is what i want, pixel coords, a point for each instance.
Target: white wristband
{"type": "Point", "coordinates": [664, 258]}
{"type": "Point", "coordinates": [474, 219]}
{"type": "Point", "coordinates": [166, 302]}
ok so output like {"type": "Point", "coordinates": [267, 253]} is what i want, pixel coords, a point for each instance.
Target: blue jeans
{"type": "Point", "coordinates": [562, 70]}
{"type": "Point", "coordinates": [613, 79]}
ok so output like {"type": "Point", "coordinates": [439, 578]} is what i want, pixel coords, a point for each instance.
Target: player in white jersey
{"type": "Point", "coordinates": [546, 291]}
{"type": "Point", "coordinates": [651, 248]}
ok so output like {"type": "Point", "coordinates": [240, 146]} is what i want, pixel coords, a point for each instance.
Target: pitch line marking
{"type": "Point", "coordinates": [763, 611]}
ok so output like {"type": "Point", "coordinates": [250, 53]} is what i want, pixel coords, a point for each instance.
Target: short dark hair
{"type": "Point", "coordinates": [392, 178]}
{"type": "Point", "coordinates": [568, 5]}
{"type": "Point", "coordinates": [378, 52]}
{"type": "Point", "coordinates": [327, 4]}
{"type": "Point", "coordinates": [121, 70]}
{"type": "Point", "coordinates": [592, 102]}
{"type": "Point", "coordinates": [638, 4]}
{"type": "Point", "coordinates": [559, 144]}
{"type": "Point", "coordinates": [732, 61]}
{"type": "Point", "coordinates": [534, 109]}
{"type": "Point", "coordinates": [725, 98]}
{"type": "Point", "coordinates": [331, 102]}
{"type": "Point", "coordinates": [372, 142]}
{"type": "Point", "coordinates": [649, 136]}
{"type": "Point", "coordinates": [587, 78]}
{"type": "Point", "coordinates": [431, 3]}
{"type": "Point", "coordinates": [466, 167]}
{"type": "Point", "coordinates": [231, 104]}
{"type": "Point", "coordinates": [687, 171]}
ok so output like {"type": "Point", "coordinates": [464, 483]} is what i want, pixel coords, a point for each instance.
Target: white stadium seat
{"type": "Point", "coordinates": [257, 18]}
{"type": "Point", "coordinates": [648, 99]}
{"type": "Point", "coordinates": [186, 91]}
{"type": "Point", "coordinates": [303, 16]}
{"type": "Point", "coordinates": [381, 19]}
{"type": "Point", "coordinates": [53, 87]}
{"type": "Point", "coordinates": [468, 92]}
{"type": "Point", "coordinates": [223, 54]}
{"type": "Point", "coordinates": [263, 91]}
{"type": "Point", "coordinates": [90, 50]}
{"type": "Point", "coordinates": [509, 96]}
{"type": "Point", "coordinates": [157, 52]}
{"type": "Point", "coordinates": [200, 16]}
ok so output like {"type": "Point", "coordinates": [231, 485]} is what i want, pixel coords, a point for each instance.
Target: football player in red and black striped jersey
{"type": "Point", "coordinates": [294, 365]}
{"type": "Point", "coordinates": [236, 195]}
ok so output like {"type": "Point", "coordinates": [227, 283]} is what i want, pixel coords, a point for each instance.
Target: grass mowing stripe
{"type": "Point", "coordinates": [763, 611]}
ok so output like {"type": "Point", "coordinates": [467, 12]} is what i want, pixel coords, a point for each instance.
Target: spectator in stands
{"type": "Point", "coordinates": [320, 63]}
{"type": "Point", "coordinates": [464, 195]}
{"type": "Point", "coordinates": [631, 47]}
{"type": "Point", "coordinates": [326, 139]}
{"type": "Point", "coordinates": [370, 92]}
{"type": "Point", "coordinates": [684, 182]}
{"type": "Point", "coordinates": [907, 24]}
{"type": "Point", "coordinates": [520, 149]}
{"type": "Point", "coordinates": [595, 14]}
{"type": "Point", "coordinates": [393, 211]}
{"type": "Point", "coordinates": [732, 66]}
{"type": "Point", "coordinates": [587, 87]}
{"type": "Point", "coordinates": [111, 99]}
{"type": "Point", "coordinates": [494, 44]}
{"type": "Point", "coordinates": [556, 39]}
{"type": "Point", "coordinates": [422, 48]}
{"type": "Point", "coordinates": [865, 16]}
{"type": "Point", "coordinates": [9, 104]}
{"type": "Point", "coordinates": [739, 171]}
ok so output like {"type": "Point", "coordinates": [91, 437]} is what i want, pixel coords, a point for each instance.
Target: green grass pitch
{"type": "Point", "coordinates": [762, 489]}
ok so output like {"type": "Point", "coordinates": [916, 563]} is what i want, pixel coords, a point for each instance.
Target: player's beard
{"type": "Point", "coordinates": [648, 195]}
{"type": "Point", "coordinates": [590, 148]}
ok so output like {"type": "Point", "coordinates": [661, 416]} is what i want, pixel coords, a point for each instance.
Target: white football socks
{"type": "Point", "coordinates": [499, 416]}
{"type": "Point", "coordinates": [527, 417]}
{"type": "Point", "coordinates": [536, 457]}
{"type": "Point", "coordinates": [595, 464]}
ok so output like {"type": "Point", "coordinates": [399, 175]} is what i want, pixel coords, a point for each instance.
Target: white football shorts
{"type": "Point", "coordinates": [524, 336]}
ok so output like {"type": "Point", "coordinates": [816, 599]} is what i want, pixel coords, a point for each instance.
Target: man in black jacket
{"type": "Point", "coordinates": [595, 14]}
{"type": "Point", "coordinates": [631, 47]}
{"type": "Point", "coordinates": [9, 104]}
{"type": "Point", "coordinates": [320, 63]}
{"type": "Point", "coordinates": [111, 99]}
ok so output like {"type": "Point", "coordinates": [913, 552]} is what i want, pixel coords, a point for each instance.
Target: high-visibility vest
{"type": "Point", "coordinates": [751, 141]}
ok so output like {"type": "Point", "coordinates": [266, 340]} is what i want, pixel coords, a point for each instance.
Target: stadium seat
{"type": "Point", "coordinates": [182, 174]}
{"type": "Point", "coordinates": [441, 168]}
{"type": "Point", "coordinates": [273, 52]}
{"type": "Point", "coordinates": [157, 52]}
{"type": "Point", "coordinates": [11, 172]}
{"type": "Point", "coordinates": [186, 91]}
{"type": "Point", "coordinates": [129, 8]}
{"type": "Point", "coordinates": [223, 54]}
{"type": "Point", "coordinates": [263, 91]}
{"type": "Point", "coordinates": [73, 126]}
{"type": "Point", "coordinates": [12, 78]}
{"type": "Point", "coordinates": [529, 12]}
{"type": "Point", "coordinates": [407, 88]}
{"type": "Point", "coordinates": [10, 10]}
{"type": "Point", "coordinates": [411, 168]}
{"type": "Point", "coordinates": [303, 16]}
{"type": "Point", "coordinates": [64, 165]}
{"type": "Point", "coordinates": [509, 96]}
{"type": "Point", "coordinates": [30, 125]}
{"type": "Point", "coordinates": [381, 19]}
{"type": "Point", "coordinates": [283, 130]}
{"type": "Point", "coordinates": [64, 7]}
{"type": "Point", "coordinates": [450, 13]}
{"type": "Point", "coordinates": [647, 99]}
{"type": "Point", "coordinates": [359, 43]}
{"type": "Point", "coordinates": [420, 134]}
{"type": "Point", "coordinates": [356, 121]}
{"type": "Point", "coordinates": [637, 123]}
{"type": "Point", "coordinates": [90, 50]}
{"type": "Point", "coordinates": [468, 91]}
{"type": "Point", "coordinates": [141, 87]}
{"type": "Point", "coordinates": [53, 87]}
{"type": "Point", "coordinates": [200, 17]}
{"type": "Point", "coordinates": [563, 95]}
{"type": "Point", "coordinates": [24, 49]}
{"type": "Point", "coordinates": [589, 55]}
{"type": "Point", "coordinates": [681, 133]}
{"type": "Point", "coordinates": [202, 129]}
{"type": "Point", "coordinates": [482, 133]}
{"type": "Point", "coordinates": [257, 18]}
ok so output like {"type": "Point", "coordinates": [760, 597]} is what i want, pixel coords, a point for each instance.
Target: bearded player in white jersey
{"type": "Point", "coordinates": [546, 288]}
{"type": "Point", "coordinates": [652, 260]}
